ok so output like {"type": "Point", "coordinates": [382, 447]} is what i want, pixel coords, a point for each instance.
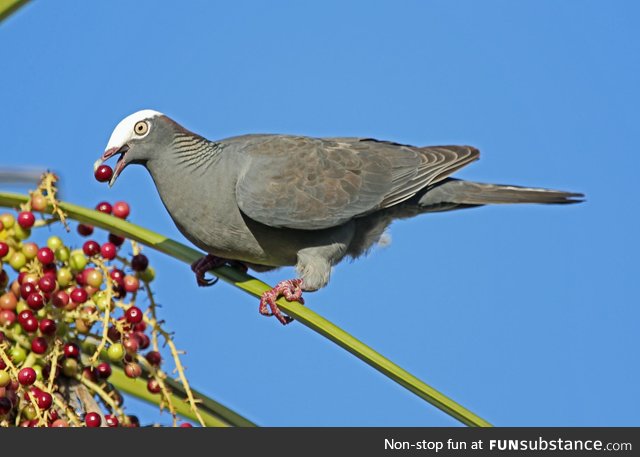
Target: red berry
{"type": "Point", "coordinates": [90, 248]}
{"type": "Point", "coordinates": [139, 262]}
{"type": "Point", "coordinates": [154, 358]}
{"type": "Point", "coordinates": [153, 386]}
{"type": "Point", "coordinates": [49, 268]}
{"type": "Point", "coordinates": [47, 284]}
{"type": "Point", "coordinates": [5, 406]}
{"type": "Point", "coordinates": [103, 173]}
{"type": "Point", "coordinates": [139, 327]}
{"type": "Point", "coordinates": [7, 317]}
{"type": "Point", "coordinates": [60, 299]}
{"type": "Point", "coordinates": [104, 207]}
{"type": "Point", "coordinates": [4, 249]}
{"type": "Point", "coordinates": [90, 374]}
{"type": "Point", "coordinates": [117, 276]}
{"type": "Point", "coordinates": [39, 345]}
{"type": "Point", "coordinates": [142, 339]}
{"type": "Point", "coordinates": [108, 251]}
{"type": "Point", "coordinates": [85, 230]}
{"type": "Point", "coordinates": [131, 284]}
{"type": "Point", "coordinates": [24, 315]}
{"type": "Point", "coordinates": [115, 239]}
{"type": "Point", "coordinates": [132, 370]}
{"type": "Point", "coordinates": [30, 324]}
{"type": "Point", "coordinates": [26, 289]}
{"type": "Point", "coordinates": [46, 256]}
{"type": "Point", "coordinates": [113, 334]}
{"type": "Point", "coordinates": [111, 420]}
{"type": "Point", "coordinates": [44, 400]}
{"type": "Point", "coordinates": [35, 301]}
{"type": "Point", "coordinates": [27, 376]}
{"type": "Point", "coordinates": [79, 295]}
{"type": "Point", "coordinates": [92, 420]}
{"type": "Point", "coordinates": [71, 350]}
{"type": "Point", "coordinates": [103, 370]}
{"type": "Point", "coordinates": [26, 219]}
{"type": "Point", "coordinates": [186, 425]}
{"type": "Point", "coordinates": [130, 345]}
{"type": "Point", "coordinates": [48, 326]}
{"type": "Point", "coordinates": [121, 210]}
{"type": "Point", "coordinates": [133, 315]}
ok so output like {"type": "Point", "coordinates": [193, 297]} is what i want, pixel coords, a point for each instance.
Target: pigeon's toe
{"type": "Point", "coordinates": [291, 290]}
{"type": "Point", "coordinates": [204, 264]}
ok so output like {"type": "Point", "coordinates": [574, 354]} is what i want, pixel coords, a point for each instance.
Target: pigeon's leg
{"type": "Point", "coordinates": [208, 262]}
{"type": "Point", "coordinates": [290, 289]}
{"type": "Point", "coordinates": [314, 267]}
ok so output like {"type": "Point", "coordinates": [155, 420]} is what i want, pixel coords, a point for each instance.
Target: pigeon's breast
{"type": "Point", "coordinates": [204, 209]}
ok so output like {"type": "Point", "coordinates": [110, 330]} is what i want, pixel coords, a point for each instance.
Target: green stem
{"type": "Point", "coordinates": [213, 407]}
{"type": "Point", "coordinates": [7, 7]}
{"type": "Point", "coordinates": [256, 287]}
{"type": "Point", "coordinates": [138, 388]}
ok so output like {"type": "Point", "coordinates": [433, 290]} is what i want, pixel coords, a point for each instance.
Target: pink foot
{"type": "Point", "coordinates": [291, 290]}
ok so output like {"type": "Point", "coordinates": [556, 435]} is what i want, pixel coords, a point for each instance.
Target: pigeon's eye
{"type": "Point", "coordinates": [141, 128]}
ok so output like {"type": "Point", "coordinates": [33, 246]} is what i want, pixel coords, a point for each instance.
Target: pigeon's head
{"type": "Point", "coordinates": [136, 139]}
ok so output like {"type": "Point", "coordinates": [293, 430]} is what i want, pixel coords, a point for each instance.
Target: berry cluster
{"type": "Point", "coordinates": [68, 318]}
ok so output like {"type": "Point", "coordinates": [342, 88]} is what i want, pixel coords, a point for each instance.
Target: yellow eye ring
{"type": "Point", "coordinates": [141, 128]}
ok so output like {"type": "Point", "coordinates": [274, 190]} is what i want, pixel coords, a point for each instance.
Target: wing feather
{"type": "Point", "coordinates": [312, 183]}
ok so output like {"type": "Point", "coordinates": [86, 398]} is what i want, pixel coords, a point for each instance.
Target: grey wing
{"type": "Point", "coordinates": [311, 184]}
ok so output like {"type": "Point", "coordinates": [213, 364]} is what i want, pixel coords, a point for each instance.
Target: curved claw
{"type": "Point", "coordinates": [206, 263]}
{"type": "Point", "coordinates": [204, 282]}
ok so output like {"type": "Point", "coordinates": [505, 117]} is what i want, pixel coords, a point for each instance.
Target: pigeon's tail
{"type": "Point", "coordinates": [454, 193]}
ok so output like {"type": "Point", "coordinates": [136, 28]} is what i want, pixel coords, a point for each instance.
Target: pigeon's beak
{"type": "Point", "coordinates": [120, 164]}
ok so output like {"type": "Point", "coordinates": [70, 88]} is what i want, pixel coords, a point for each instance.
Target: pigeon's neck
{"type": "Point", "coordinates": [183, 171]}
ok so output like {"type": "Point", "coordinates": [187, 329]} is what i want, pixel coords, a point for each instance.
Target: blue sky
{"type": "Point", "coordinates": [526, 315]}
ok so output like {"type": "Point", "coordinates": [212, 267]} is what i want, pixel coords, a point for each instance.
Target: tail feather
{"type": "Point", "coordinates": [454, 192]}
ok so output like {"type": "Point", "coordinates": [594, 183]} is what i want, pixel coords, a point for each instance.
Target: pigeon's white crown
{"type": "Point", "coordinates": [124, 130]}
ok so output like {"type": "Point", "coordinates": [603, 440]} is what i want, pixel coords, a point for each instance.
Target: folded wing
{"type": "Point", "coordinates": [311, 184]}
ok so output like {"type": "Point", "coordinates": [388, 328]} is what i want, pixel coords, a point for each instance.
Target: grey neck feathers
{"type": "Point", "coordinates": [194, 153]}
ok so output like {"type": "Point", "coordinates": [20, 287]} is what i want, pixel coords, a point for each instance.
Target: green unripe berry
{"type": "Point", "coordinates": [78, 260]}
{"type": "Point", "coordinates": [16, 328]}
{"type": "Point", "coordinates": [17, 261]}
{"type": "Point", "coordinates": [30, 250]}
{"type": "Point", "coordinates": [21, 233]}
{"type": "Point", "coordinates": [64, 277]}
{"type": "Point", "coordinates": [17, 354]}
{"type": "Point", "coordinates": [21, 306]}
{"type": "Point", "coordinates": [29, 412]}
{"type": "Point", "coordinates": [38, 370]}
{"type": "Point", "coordinates": [62, 253]}
{"type": "Point", "coordinates": [88, 347]}
{"type": "Point", "coordinates": [94, 278]}
{"type": "Point", "coordinates": [7, 220]}
{"type": "Point", "coordinates": [70, 367]}
{"type": "Point", "coordinates": [115, 352]}
{"type": "Point", "coordinates": [5, 379]}
{"type": "Point", "coordinates": [148, 275]}
{"type": "Point", "coordinates": [101, 300]}
{"type": "Point", "coordinates": [54, 242]}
